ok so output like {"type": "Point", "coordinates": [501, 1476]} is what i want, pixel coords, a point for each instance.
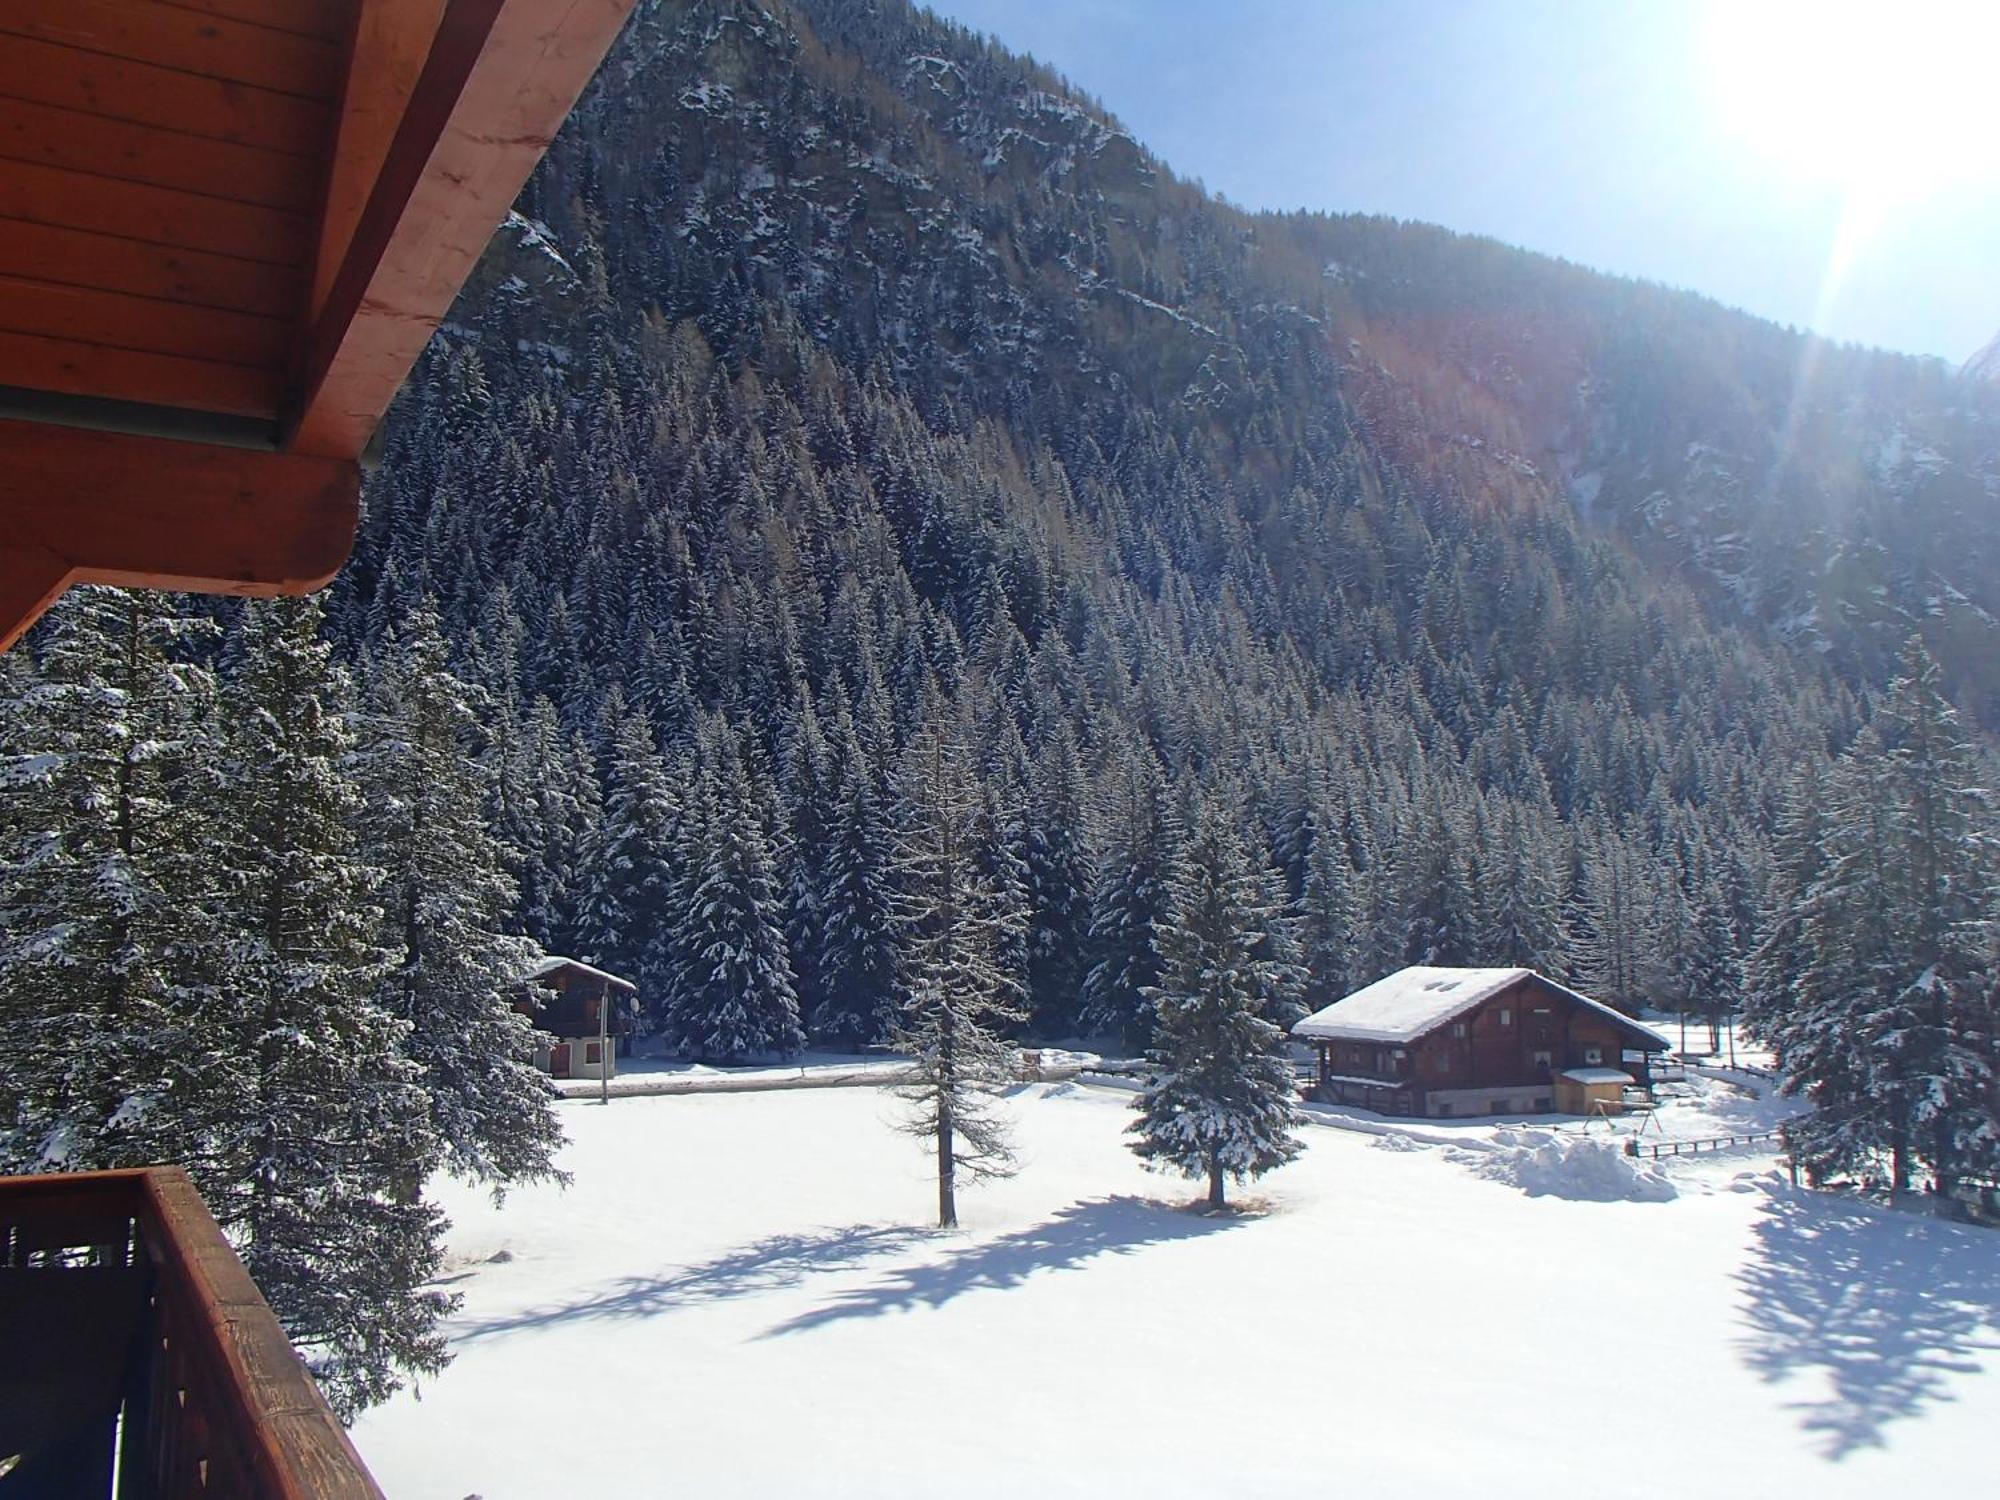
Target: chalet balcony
{"type": "Point", "coordinates": [140, 1362]}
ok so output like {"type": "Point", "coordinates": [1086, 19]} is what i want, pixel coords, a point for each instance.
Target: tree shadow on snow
{"type": "Point", "coordinates": [1104, 1226]}
{"type": "Point", "coordinates": [781, 1260]}
{"type": "Point", "coordinates": [1886, 1306]}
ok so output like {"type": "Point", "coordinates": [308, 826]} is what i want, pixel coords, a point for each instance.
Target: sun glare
{"type": "Point", "coordinates": [1888, 101]}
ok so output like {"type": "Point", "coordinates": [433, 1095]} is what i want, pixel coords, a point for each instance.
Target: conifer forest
{"type": "Point", "coordinates": [877, 560]}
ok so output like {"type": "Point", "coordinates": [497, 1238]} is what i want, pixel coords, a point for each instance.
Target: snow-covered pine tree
{"type": "Point", "coordinates": [1834, 1039]}
{"type": "Point", "coordinates": [1329, 920]}
{"type": "Point", "coordinates": [1799, 857]}
{"type": "Point", "coordinates": [732, 997]}
{"type": "Point", "coordinates": [107, 938]}
{"type": "Point", "coordinates": [1138, 834]}
{"type": "Point", "coordinates": [1615, 909]}
{"type": "Point", "coordinates": [552, 818]}
{"type": "Point", "coordinates": [954, 924]}
{"type": "Point", "coordinates": [805, 787]}
{"type": "Point", "coordinates": [447, 898]}
{"type": "Point", "coordinates": [1219, 1102]}
{"type": "Point", "coordinates": [1891, 1035]}
{"type": "Point", "coordinates": [628, 921]}
{"type": "Point", "coordinates": [1523, 899]}
{"type": "Point", "coordinates": [1440, 918]}
{"type": "Point", "coordinates": [1945, 850]}
{"type": "Point", "coordinates": [857, 932]}
{"type": "Point", "coordinates": [999, 834]}
{"type": "Point", "coordinates": [1059, 867]}
{"type": "Point", "coordinates": [329, 1121]}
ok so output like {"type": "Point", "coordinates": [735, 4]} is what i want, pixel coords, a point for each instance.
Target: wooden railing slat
{"type": "Point", "coordinates": [220, 1404]}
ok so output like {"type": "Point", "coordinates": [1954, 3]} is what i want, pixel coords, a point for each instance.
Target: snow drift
{"type": "Point", "coordinates": [1542, 1163]}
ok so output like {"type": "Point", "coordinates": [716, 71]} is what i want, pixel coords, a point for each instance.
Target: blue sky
{"type": "Point", "coordinates": [1703, 143]}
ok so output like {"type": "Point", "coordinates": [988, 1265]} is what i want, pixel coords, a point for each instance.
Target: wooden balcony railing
{"type": "Point", "coordinates": [137, 1359]}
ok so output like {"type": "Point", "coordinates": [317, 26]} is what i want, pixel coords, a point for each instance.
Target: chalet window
{"type": "Point", "coordinates": [1506, 1018]}
{"type": "Point", "coordinates": [1444, 1108]}
{"type": "Point", "coordinates": [1459, 1029]}
{"type": "Point", "coordinates": [1592, 1056]}
{"type": "Point", "coordinates": [1499, 1106]}
{"type": "Point", "coordinates": [591, 1053]}
{"type": "Point", "coordinates": [1441, 1063]}
{"type": "Point", "coordinates": [1544, 1058]}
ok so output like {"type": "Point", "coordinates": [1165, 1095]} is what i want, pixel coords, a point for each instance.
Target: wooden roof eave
{"type": "Point", "coordinates": [497, 82]}
{"type": "Point", "coordinates": [445, 109]}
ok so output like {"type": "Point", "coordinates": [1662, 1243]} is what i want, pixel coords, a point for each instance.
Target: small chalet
{"type": "Point", "coordinates": [581, 1017]}
{"type": "Point", "coordinates": [1437, 1042]}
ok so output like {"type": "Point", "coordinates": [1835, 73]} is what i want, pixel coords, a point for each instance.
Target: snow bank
{"type": "Point", "coordinates": [1543, 1164]}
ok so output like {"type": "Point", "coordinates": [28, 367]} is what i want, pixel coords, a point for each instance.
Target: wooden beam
{"type": "Point", "coordinates": [499, 78]}
{"type": "Point", "coordinates": [98, 507]}
{"type": "Point", "coordinates": [392, 39]}
{"type": "Point", "coordinates": [31, 579]}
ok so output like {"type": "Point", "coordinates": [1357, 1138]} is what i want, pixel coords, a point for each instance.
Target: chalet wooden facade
{"type": "Point", "coordinates": [227, 230]}
{"type": "Point", "coordinates": [582, 1017]}
{"type": "Point", "coordinates": [1451, 1042]}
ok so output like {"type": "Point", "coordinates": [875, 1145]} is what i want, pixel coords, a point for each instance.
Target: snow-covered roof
{"type": "Point", "coordinates": [577, 966]}
{"type": "Point", "coordinates": [1597, 1075]}
{"type": "Point", "coordinates": [1415, 1001]}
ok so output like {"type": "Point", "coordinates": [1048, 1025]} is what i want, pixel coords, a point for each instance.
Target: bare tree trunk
{"type": "Point", "coordinates": [947, 1198]}
{"type": "Point", "coordinates": [1215, 1200]}
{"type": "Point", "coordinates": [1899, 1145]}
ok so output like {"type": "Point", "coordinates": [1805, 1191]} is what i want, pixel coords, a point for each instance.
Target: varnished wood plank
{"type": "Point", "coordinates": [122, 90]}
{"type": "Point", "coordinates": [392, 39]}
{"type": "Point", "coordinates": [80, 369]}
{"type": "Point", "coordinates": [158, 216]}
{"type": "Point", "coordinates": [143, 323]}
{"type": "Point", "coordinates": [296, 1447]}
{"type": "Point", "coordinates": [208, 46]}
{"type": "Point", "coordinates": [326, 19]}
{"type": "Point", "coordinates": [80, 142]}
{"type": "Point", "coordinates": [154, 513]}
{"type": "Point", "coordinates": [77, 257]}
{"type": "Point", "coordinates": [498, 81]}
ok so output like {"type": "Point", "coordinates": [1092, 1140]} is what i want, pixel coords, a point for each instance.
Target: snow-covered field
{"type": "Point", "coordinates": [737, 1297]}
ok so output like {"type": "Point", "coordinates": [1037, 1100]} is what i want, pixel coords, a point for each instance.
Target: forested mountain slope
{"type": "Point", "coordinates": [842, 369]}
{"type": "Point", "coordinates": [846, 389]}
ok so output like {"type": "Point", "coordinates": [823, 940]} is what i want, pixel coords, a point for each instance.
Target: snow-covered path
{"type": "Point", "coordinates": [735, 1298]}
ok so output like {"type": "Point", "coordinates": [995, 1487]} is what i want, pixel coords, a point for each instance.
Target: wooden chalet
{"type": "Point", "coordinates": [1438, 1042]}
{"type": "Point", "coordinates": [227, 230]}
{"type": "Point", "coordinates": [582, 1017]}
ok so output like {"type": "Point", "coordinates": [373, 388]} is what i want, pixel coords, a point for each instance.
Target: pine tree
{"type": "Point", "coordinates": [628, 918]}
{"type": "Point", "coordinates": [328, 1122]}
{"type": "Point", "coordinates": [954, 924]}
{"type": "Point", "coordinates": [732, 996]}
{"type": "Point", "coordinates": [856, 905]}
{"type": "Point", "coordinates": [1137, 846]}
{"type": "Point", "coordinates": [447, 898]}
{"type": "Point", "coordinates": [1836, 1042]}
{"type": "Point", "coordinates": [107, 937]}
{"type": "Point", "coordinates": [1891, 1035]}
{"type": "Point", "coordinates": [1058, 859]}
{"type": "Point", "coordinates": [1781, 953]}
{"type": "Point", "coordinates": [1219, 1103]}
{"type": "Point", "coordinates": [1945, 850]}
{"type": "Point", "coordinates": [1329, 921]}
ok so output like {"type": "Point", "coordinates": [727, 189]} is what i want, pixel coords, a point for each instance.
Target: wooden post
{"type": "Point", "coordinates": [604, 1044]}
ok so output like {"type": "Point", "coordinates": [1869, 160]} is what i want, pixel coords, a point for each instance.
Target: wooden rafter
{"type": "Point", "coordinates": [496, 84]}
